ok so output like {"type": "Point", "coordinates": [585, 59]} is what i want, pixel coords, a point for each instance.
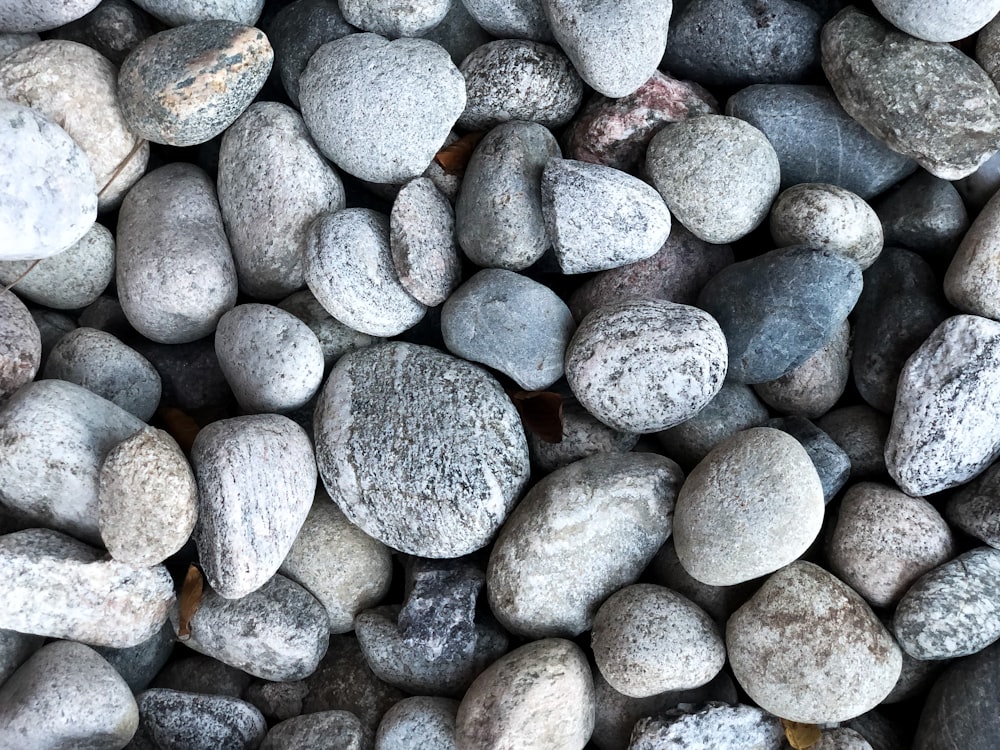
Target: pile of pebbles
{"type": "Point", "coordinates": [658, 410]}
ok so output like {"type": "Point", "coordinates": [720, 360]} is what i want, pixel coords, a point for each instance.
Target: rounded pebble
{"type": "Point", "coordinates": [335, 339]}
{"type": "Point", "coordinates": [392, 19]}
{"type": "Point", "coordinates": [180, 12]}
{"type": "Point", "coordinates": [511, 19]}
{"type": "Point", "coordinates": [173, 718]}
{"type": "Point", "coordinates": [418, 723]}
{"type": "Point", "coordinates": [861, 432]}
{"type": "Point", "coordinates": [972, 283]}
{"type": "Point", "coordinates": [422, 241]}
{"type": "Point", "coordinates": [925, 214]}
{"type": "Point", "coordinates": [42, 16]}
{"type": "Point", "coordinates": [713, 725]}
{"type": "Point", "coordinates": [972, 508]}
{"type": "Point", "coordinates": [939, 22]}
{"type": "Point", "coordinates": [20, 345]}
{"type": "Point", "coordinates": [114, 28]}
{"type": "Point", "coordinates": [340, 729]}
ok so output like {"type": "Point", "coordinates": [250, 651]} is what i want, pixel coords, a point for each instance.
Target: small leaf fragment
{"type": "Point", "coordinates": [189, 601]}
{"type": "Point", "coordinates": [801, 736]}
{"type": "Point", "coordinates": [455, 157]}
{"type": "Point", "coordinates": [541, 413]}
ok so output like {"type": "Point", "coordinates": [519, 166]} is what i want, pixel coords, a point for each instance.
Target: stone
{"type": "Point", "coordinates": [675, 273]}
{"type": "Point", "coordinates": [615, 47]}
{"type": "Point", "coordinates": [174, 718]}
{"type": "Point", "coordinates": [51, 175]}
{"type": "Point", "coordinates": [52, 326]}
{"type": "Point", "coordinates": [340, 729]}
{"type": "Point", "coordinates": [582, 435]}
{"type": "Point", "coordinates": [21, 344]}
{"type": "Point", "coordinates": [458, 32]}
{"type": "Point", "coordinates": [278, 701]}
{"type": "Point", "coordinates": [646, 365]}
{"type": "Point", "coordinates": [943, 430]}
{"type": "Point", "coordinates": [714, 725]}
{"type": "Point", "coordinates": [972, 283]}
{"type": "Point", "coordinates": [420, 722]}
{"type": "Point", "coordinates": [817, 141]}
{"type": "Point", "coordinates": [927, 101]}
{"type": "Point", "coordinates": [507, 162]}
{"type": "Point", "coordinates": [648, 639]}
{"type": "Point", "coordinates": [779, 514]}
{"type": "Point", "coordinates": [510, 323]}
{"type": "Point", "coordinates": [881, 733]}
{"type": "Point", "coordinates": [139, 664]}
{"type": "Point", "coordinates": [66, 696]}
{"type": "Point", "coordinates": [915, 678]}
{"type": "Point", "coordinates": [70, 280]}
{"type": "Point", "coordinates": [861, 432]}
{"type": "Point", "coordinates": [515, 79]}
{"type": "Point", "coordinates": [271, 359]}
{"type": "Point", "coordinates": [147, 498]}
{"type": "Point", "coordinates": [55, 435]}
{"type": "Point", "coordinates": [335, 338]}
{"type": "Point", "coordinates": [114, 28]}
{"type": "Point", "coordinates": [103, 364]}
{"type": "Point", "coordinates": [344, 568]}
{"type": "Point", "coordinates": [15, 648]}
{"type": "Point", "coordinates": [829, 217]}
{"type": "Point", "coordinates": [828, 657]}
{"type": "Point", "coordinates": [277, 632]}
{"type": "Point", "coordinates": [540, 695]}
{"type": "Point", "coordinates": [202, 674]}
{"type": "Point", "coordinates": [979, 187]}
{"type": "Point", "coordinates": [832, 464]}
{"type": "Point", "coordinates": [48, 77]}
{"type": "Point", "coordinates": [423, 244]}
{"type": "Point", "coordinates": [547, 576]}
{"type": "Point", "coordinates": [812, 388]}
{"type": "Point", "coordinates": [900, 306]}
{"type": "Point", "coordinates": [940, 23]}
{"type": "Point", "coordinates": [106, 314]}
{"type": "Point", "coordinates": [973, 508]}
{"type": "Point", "coordinates": [181, 12]}
{"type": "Point", "coordinates": [925, 214]}
{"type": "Point", "coordinates": [598, 217]}
{"type": "Point", "coordinates": [169, 220]}
{"type": "Point", "coordinates": [421, 450]}
{"type": "Point", "coordinates": [13, 41]}
{"type": "Point", "coordinates": [349, 268]}
{"type": "Point", "coordinates": [381, 109]}
{"type": "Point", "coordinates": [61, 588]}
{"type": "Point", "coordinates": [885, 540]}
{"type": "Point", "coordinates": [511, 19]}
{"type": "Point", "coordinates": [393, 20]}
{"type": "Point", "coordinates": [778, 309]}
{"type": "Point", "coordinates": [15, 17]}
{"type": "Point", "coordinates": [273, 182]}
{"type": "Point", "coordinates": [842, 739]}
{"type": "Point", "coordinates": [185, 85]}
{"type": "Point", "coordinates": [717, 174]}
{"type": "Point", "coordinates": [952, 610]}
{"type": "Point", "coordinates": [190, 375]}
{"type": "Point", "coordinates": [248, 469]}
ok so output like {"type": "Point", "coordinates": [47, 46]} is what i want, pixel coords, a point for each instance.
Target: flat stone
{"type": "Point", "coordinates": [925, 214]}
{"type": "Point", "coordinates": [185, 85]}
{"type": "Point", "coordinates": [42, 17]}
{"type": "Point", "coordinates": [21, 344]}
{"type": "Point", "coordinates": [180, 12]}
{"type": "Point", "coordinates": [421, 450]}
{"type": "Point", "coordinates": [827, 656]}
{"type": "Point", "coordinates": [943, 429]}
{"type": "Point", "coordinates": [927, 101]}
{"type": "Point", "coordinates": [393, 20]}
{"type": "Point", "coordinates": [714, 725]}
{"type": "Point", "coordinates": [114, 28]}
{"type": "Point", "coordinates": [546, 576]}
{"type": "Point", "coordinates": [61, 588]}
{"type": "Point", "coordinates": [340, 729]}
{"type": "Point", "coordinates": [832, 464]}
{"type": "Point", "coordinates": [420, 722]}
{"type": "Point", "coordinates": [173, 718]}
{"type": "Point", "coordinates": [422, 240]}
{"type": "Point", "coordinates": [972, 507]}
{"type": "Point", "coordinates": [861, 432]}
{"type": "Point", "coordinates": [511, 19]}
{"type": "Point", "coordinates": [139, 664]}
{"type": "Point", "coordinates": [947, 22]}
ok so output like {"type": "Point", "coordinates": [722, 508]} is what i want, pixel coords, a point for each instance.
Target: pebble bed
{"type": "Point", "coordinates": [499, 375]}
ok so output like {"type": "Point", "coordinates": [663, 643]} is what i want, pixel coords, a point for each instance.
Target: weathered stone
{"type": "Point", "coordinates": [172, 718]}
{"type": "Point", "coordinates": [114, 28]}
{"type": "Point", "coordinates": [21, 344]}
{"type": "Point", "coordinates": [517, 19]}
{"type": "Point", "coordinates": [972, 283]}
{"type": "Point", "coordinates": [42, 16]}
{"type": "Point", "coordinates": [422, 240]}
{"type": "Point", "coordinates": [945, 22]}
{"type": "Point", "coordinates": [714, 725]}
{"type": "Point", "coordinates": [925, 214]}
{"type": "Point", "coordinates": [419, 722]}
{"type": "Point", "coordinates": [340, 729]}
{"type": "Point", "coordinates": [180, 12]}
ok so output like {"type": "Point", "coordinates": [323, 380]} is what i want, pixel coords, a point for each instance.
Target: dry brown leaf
{"type": "Point", "coordinates": [801, 736]}
{"type": "Point", "coordinates": [189, 601]}
{"type": "Point", "coordinates": [455, 157]}
{"type": "Point", "coordinates": [541, 413]}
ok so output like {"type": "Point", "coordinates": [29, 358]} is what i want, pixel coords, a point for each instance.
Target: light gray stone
{"type": "Point", "coordinates": [340, 729]}
{"type": "Point", "coordinates": [21, 344]}
{"type": "Point", "coordinates": [418, 723]}
{"type": "Point", "coordinates": [832, 464]}
{"type": "Point", "coordinates": [13, 41]}
{"type": "Point", "coordinates": [15, 648]}
{"type": "Point", "coordinates": [17, 17]}
{"type": "Point", "coordinates": [841, 738]}
{"type": "Point", "coordinates": [177, 719]}
{"type": "Point", "coordinates": [422, 240]}
{"type": "Point", "coordinates": [714, 725]}
{"type": "Point", "coordinates": [335, 338]}
{"type": "Point", "coordinates": [972, 283]}
{"type": "Point", "coordinates": [393, 19]}
{"type": "Point", "coordinates": [511, 19]}
{"type": "Point", "coordinates": [180, 12]}
{"type": "Point", "coordinates": [939, 22]}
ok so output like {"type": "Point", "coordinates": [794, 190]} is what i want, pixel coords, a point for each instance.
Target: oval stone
{"type": "Point", "coordinates": [972, 283]}
{"type": "Point", "coordinates": [21, 344]}
{"type": "Point", "coordinates": [422, 240]}
{"type": "Point", "coordinates": [939, 22]}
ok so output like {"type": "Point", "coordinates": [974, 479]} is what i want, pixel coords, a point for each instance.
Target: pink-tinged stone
{"type": "Point", "coordinates": [615, 132]}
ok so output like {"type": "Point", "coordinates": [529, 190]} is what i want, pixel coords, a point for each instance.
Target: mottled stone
{"type": "Point", "coordinates": [335, 338]}
{"type": "Point", "coordinates": [21, 344]}
{"type": "Point", "coordinates": [438, 617]}
{"type": "Point", "coordinates": [423, 244]}
{"type": "Point", "coordinates": [180, 12]}
{"type": "Point", "coordinates": [511, 19]}
{"type": "Point", "coordinates": [547, 577]}
{"type": "Point", "coordinates": [17, 17]}
{"type": "Point", "coordinates": [340, 729]}
{"type": "Point", "coordinates": [841, 739]}
{"type": "Point", "coordinates": [175, 719]}
{"type": "Point", "coordinates": [972, 283]}
{"type": "Point", "coordinates": [184, 86]}
{"type": "Point", "coordinates": [925, 214]}
{"type": "Point", "coordinates": [582, 435]}
{"type": "Point", "coordinates": [114, 28]}
{"type": "Point", "coordinates": [939, 22]}
{"type": "Point", "coordinates": [832, 464]}
{"type": "Point", "coordinates": [418, 723]}
{"type": "Point", "coordinates": [393, 19]}
{"type": "Point", "coordinates": [713, 725]}
{"type": "Point", "coordinates": [827, 656]}
{"type": "Point", "coordinates": [861, 432]}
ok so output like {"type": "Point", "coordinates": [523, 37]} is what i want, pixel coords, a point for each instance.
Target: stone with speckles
{"type": "Point", "coordinates": [394, 19]}
{"type": "Point", "coordinates": [180, 12]}
{"type": "Point", "coordinates": [335, 338]}
{"type": "Point", "coordinates": [582, 435]}
{"type": "Point", "coordinates": [971, 283]}
{"type": "Point", "coordinates": [939, 22]}
{"type": "Point", "coordinates": [422, 240]}
{"type": "Point", "coordinates": [175, 718]}
{"type": "Point", "coordinates": [974, 510]}
{"type": "Point", "coordinates": [340, 729]}
{"type": "Point", "coordinates": [114, 28]}
{"type": "Point", "coordinates": [420, 721]}
{"type": "Point", "coordinates": [713, 725]}
{"type": "Point", "coordinates": [20, 345]}
{"type": "Point", "coordinates": [41, 16]}
{"type": "Point", "coordinates": [511, 19]}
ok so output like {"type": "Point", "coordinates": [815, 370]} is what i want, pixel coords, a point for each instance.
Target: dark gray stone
{"type": "Point", "coordinates": [713, 725]}
{"type": "Point", "coordinates": [174, 719]}
{"type": "Point", "coordinates": [860, 431]}
{"type": "Point", "coordinates": [190, 375]}
{"type": "Point", "coordinates": [202, 674]}
{"type": "Point", "coordinates": [974, 509]}
{"type": "Point", "coordinates": [52, 326]}
{"type": "Point", "coordinates": [458, 32]}
{"type": "Point", "coordinates": [139, 664]}
{"type": "Point", "coordinates": [335, 729]}
{"type": "Point", "coordinates": [924, 214]}
{"type": "Point", "coordinates": [114, 28]}
{"type": "Point", "coordinates": [832, 464]}
{"type": "Point", "coordinates": [981, 185]}
{"type": "Point", "coordinates": [15, 648]}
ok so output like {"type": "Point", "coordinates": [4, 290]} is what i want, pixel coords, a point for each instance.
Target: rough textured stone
{"type": "Point", "coordinates": [174, 719]}
{"type": "Point", "coordinates": [925, 214]}
{"type": "Point", "coordinates": [17, 17]}
{"type": "Point", "coordinates": [827, 656]}
{"type": "Point", "coordinates": [11, 41]}
{"type": "Point", "coordinates": [180, 12]}
{"type": "Point", "coordinates": [443, 477]}
{"type": "Point", "coordinates": [714, 725]}
{"type": "Point", "coordinates": [842, 739]}
{"type": "Point", "coordinates": [974, 510]}
{"type": "Point", "coordinates": [547, 576]}
{"type": "Point", "coordinates": [515, 19]}
{"type": "Point", "coordinates": [972, 283]}
{"type": "Point", "coordinates": [340, 729]}
{"type": "Point", "coordinates": [21, 344]}
{"type": "Point", "coordinates": [940, 22]}
{"type": "Point", "coordinates": [393, 19]}
{"type": "Point", "coordinates": [582, 435]}
{"type": "Point", "coordinates": [335, 338]}
{"type": "Point", "coordinates": [944, 431]}
{"type": "Point", "coordinates": [422, 240]}
{"type": "Point", "coordinates": [717, 174]}
{"type": "Point", "coordinates": [832, 464]}
{"type": "Point", "coordinates": [419, 723]}
{"type": "Point", "coordinates": [114, 28]}
{"type": "Point", "coordinates": [861, 432]}
{"type": "Point", "coordinates": [927, 101]}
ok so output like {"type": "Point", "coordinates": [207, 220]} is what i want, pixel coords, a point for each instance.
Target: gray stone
{"type": "Point", "coordinates": [615, 47]}
{"type": "Point", "coordinates": [15, 648]}
{"type": "Point", "coordinates": [55, 435]}
{"type": "Point", "coordinates": [421, 450]}
{"type": "Point", "coordinates": [340, 729]}
{"type": "Point", "coordinates": [598, 217]}
{"type": "Point", "coordinates": [106, 314]}
{"type": "Point", "coordinates": [48, 77]}
{"type": "Point", "coordinates": [176, 719]}
{"type": "Point", "coordinates": [807, 648]}
{"type": "Point", "coordinates": [66, 696]}
{"type": "Point", "coordinates": [381, 109]}
{"type": "Point", "coordinates": [546, 576]}
{"type": "Point", "coordinates": [114, 28]}
{"type": "Point", "coordinates": [646, 365]}
{"type": "Point", "coordinates": [832, 464]}
{"type": "Point", "coordinates": [944, 22]}
{"type": "Point", "coordinates": [21, 344]}
{"type": "Point", "coordinates": [422, 240]}
{"type": "Point", "coordinates": [139, 664]}
{"type": "Point", "coordinates": [925, 214]}
{"type": "Point", "coordinates": [511, 19]}
{"type": "Point", "coordinates": [418, 723]}
{"type": "Point", "coordinates": [185, 85]}
{"type": "Point", "coordinates": [861, 432]}
{"type": "Point", "coordinates": [971, 283]}
{"type": "Point", "coordinates": [980, 186]}
{"type": "Point", "coordinates": [278, 701]}
{"type": "Point", "coordinates": [180, 12]}
{"type": "Point", "coordinates": [271, 359]}
{"type": "Point", "coordinates": [717, 174]}
{"type": "Point", "coordinates": [103, 364]}
{"type": "Point", "coordinates": [927, 101]}
{"type": "Point", "coordinates": [70, 280]}
{"type": "Point", "coordinates": [392, 19]}
{"type": "Point", "coordinates": [511, 323]}
{"type": "Point", "coordinates": [841, 739]}
{"type": "Point", "coordinates": [335, 338]}
{"type": "Point", "coordinates": [779, 514]}
{"type": "Point", "coordinates": [61, 588]}
{"type": "Point", "coordinates": [916, 676]}
{"type": "Point", "coordinates": [249, 469]}
{"type": "Point", "coordinates": [147, 500]}
{"type": "Point", "coordinates": [777, 309]}
{"type": "Point", "coordinates": [458, 32]}
{"type": "Point", "coordinates": [278, 632]}
{"type": "Point", "coordinates": [714, 725]}
{"type": "Point", "coordinates": [540, 695]}
{"type": "Point", "coordinates": [987, 52]}
{"type": "Point", "coordinates": [513, 79]}
{"type": "Point", "coordinates": [273, 182]}
{"type": "Point", "coordinates": [13, 41]}
{"type": "Point", "coordinates": [507, 162]}
{"type": "Point", "coordinates": [881, 733]}
{"type": "Point", "coordinates": [349, 268]}
{"type": "Point", "coordinates": [944, 431]}
{"type": "Point", "coordinates": [817, 141]}
{"type": "Point", "coordinates": [51, 175]}
{"type": "Point", "coordinates": [953, 610]}
{"type": "Point", "coordinates": [974, 510]}
{"type": "Point", "coordinates": [189, 373]}
{"type": "Point", "coordinates": [171, 220]}
{"type": "Point", "coordinates": [582, 435]}
{"type": "Point", "coordinates": [16, 17]}
{"type": "Point", "coordinates": [52, 326]}
{"type": "Point", "coordinates": [202, 674]}
{"type": "Point", "coordinates": [884, 540]}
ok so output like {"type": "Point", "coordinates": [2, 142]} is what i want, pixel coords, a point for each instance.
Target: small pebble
{"type": "Point", "coordinates": [861, 432]}
{"type": "Point", "coordinates": [392, 19]}
{"type": "Point", "coordinates": [832, 464]}
{"type": "Point", "coordinates": [418, 723]}
{"type": "Point", "coordinates": [973, 508]}
{"type": "Point", "coordinates": [42, 16]}
{"type": "Point", "coordinates": [841, 739]}
{"type": "Point", "coordinates": [278, 701]}
{"type": "Point", "coordinates": [972, 283]}
{"type": "Point", "coordinates": [514, 19]}
{"type": "Point", "coordinates": [114, 28]}
{"type": "Point", "coordinates": [422, 240]}
{"type": "Point", "coordinates": [175, 719]}
{"type": "Point", "coordinates": [947, 22]}
{"type": "Point", "coordinates": [925, 214]}
{"type": "Point", "coordinates": [21, 344]}
{"type": "Point", "coordinates": [181, 12]}
{"type": "Point", "coordinates": [714, 725]}
{"type": "Point", "coordinates": [338, 729]}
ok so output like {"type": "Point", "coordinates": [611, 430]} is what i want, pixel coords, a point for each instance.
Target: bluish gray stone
{"type": "Point", "coordinates": [973, 507]}
{"type": "Point", "coordinates": [924, 214]}
{"type": "Point", "coordinates": [713, 725]}
{"type": "Point", "coordinates": [832, 464]}
{"type": "Point", "coordinates": [114, 28]}
{"type": "Point", "coordinates": [176, 719]}
{"type": "Point", "coordinates": [438, 616]}
{"type": "Point", "coordinates": [139, 664]}
{"type": "Point", "coordinates": [180, 12]}
{"type": "Point", "coordinates": [511, 19]}
{"type": "Point", "coordinates": [340, 729]}
{"type": "Point", "coordinates": [420, 722]}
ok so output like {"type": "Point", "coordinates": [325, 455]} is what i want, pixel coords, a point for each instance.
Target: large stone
{"type": "Point", "coordinates": [175, 719]}
{"type": "Point", "coordinates": [419, 722]}
{"type": "Point", "coordinates": [939, 22]}
{"type": "Point", "coordinates": [715, 725]}
{"type": "Point", "coordinates": [180, 12]}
